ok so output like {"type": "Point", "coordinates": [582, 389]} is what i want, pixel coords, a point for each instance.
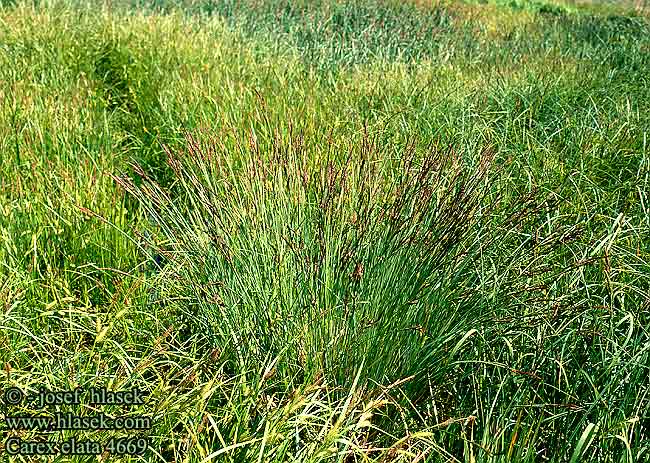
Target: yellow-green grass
{"type": "Point", "coordinates": [545, 330]}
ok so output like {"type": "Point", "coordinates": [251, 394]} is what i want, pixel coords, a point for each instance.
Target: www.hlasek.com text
{"type": "Point", "coordinates": [68, 421]}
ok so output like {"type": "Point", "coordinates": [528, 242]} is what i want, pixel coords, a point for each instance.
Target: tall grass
{"type": "Point", "coordinates": [397, 267]}
{"type": "Point", "coordinates": [444, 257]}
{"type": "Point", "coordinates": [322, 258]}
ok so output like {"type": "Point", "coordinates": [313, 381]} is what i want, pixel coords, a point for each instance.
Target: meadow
{"type": "Point", "coordinates": [331, 230]}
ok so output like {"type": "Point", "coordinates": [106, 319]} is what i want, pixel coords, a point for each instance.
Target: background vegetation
{"type": "Point", "coordinates": [332, 230]}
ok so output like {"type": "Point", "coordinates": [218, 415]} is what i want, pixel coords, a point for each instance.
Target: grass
{"type": "Point", "coordinates": [319, 231]}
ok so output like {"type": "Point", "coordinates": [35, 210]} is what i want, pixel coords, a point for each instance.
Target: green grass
{"type": "Point", "coordinates": [332, 231]}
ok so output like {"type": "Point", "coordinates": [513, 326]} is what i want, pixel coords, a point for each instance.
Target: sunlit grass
{"type": "Point", "coordinates": [526, 340]}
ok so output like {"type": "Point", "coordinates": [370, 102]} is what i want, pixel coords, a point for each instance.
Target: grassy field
{"type": "Point", "coordinates": [342, 231]}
